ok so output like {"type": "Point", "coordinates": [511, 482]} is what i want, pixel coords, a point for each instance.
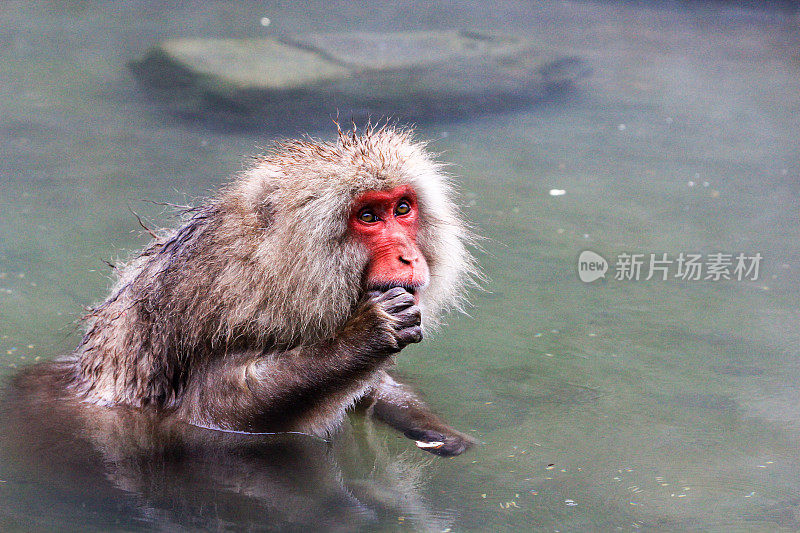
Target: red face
{"type": "Point", "coordinates": [387, 221]}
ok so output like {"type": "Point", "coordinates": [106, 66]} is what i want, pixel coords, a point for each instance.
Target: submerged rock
{"type": "Point", "coordinates": [309, 78]}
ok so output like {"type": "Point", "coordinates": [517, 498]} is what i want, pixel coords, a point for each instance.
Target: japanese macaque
{"type": "Point", "coordinates": [281, 302]}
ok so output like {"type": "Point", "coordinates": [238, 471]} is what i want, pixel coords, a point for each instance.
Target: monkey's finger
{"type": "Point", "coordinates": [411, 316]}
{"type": "Point", "coordinates": [424, 435]}
{"type": "Point", "coordinates": [409, 335]}
{"type": "Point", "coordinates": [373, 295]}
{"type": "Point", "coordinates": [395, 291]}
{"type": "Point", "coordinates": [400, 302]}
{"type": "Point", "coordinates": [450, 448]}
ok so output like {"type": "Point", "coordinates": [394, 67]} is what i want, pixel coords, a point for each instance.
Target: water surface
{"type": "Point", "coordinates": [656, 405]}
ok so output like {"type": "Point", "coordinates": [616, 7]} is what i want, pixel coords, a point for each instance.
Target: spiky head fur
{"type": "Point", "coordinates": [267, 263]}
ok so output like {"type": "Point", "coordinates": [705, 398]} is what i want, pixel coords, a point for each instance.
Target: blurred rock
{"type": "Point", "coordinates": [309, 78]}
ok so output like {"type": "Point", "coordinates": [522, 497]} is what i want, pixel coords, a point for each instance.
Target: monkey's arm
{"type": "Point", "coordinates": [398, 406]}
{"type": "Point", "coordinates": [308, 387]}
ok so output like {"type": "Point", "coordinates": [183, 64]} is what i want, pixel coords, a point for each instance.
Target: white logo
{"type": "Point", "coordinates": [591, 266]}
{"type": "Point", "coordinates": [687, 266]}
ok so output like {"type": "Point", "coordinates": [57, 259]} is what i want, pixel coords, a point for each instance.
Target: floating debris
{"type": "Point", "coordinates": [433, 444]}
{"type": "Point", "coordinates": [557, 192]}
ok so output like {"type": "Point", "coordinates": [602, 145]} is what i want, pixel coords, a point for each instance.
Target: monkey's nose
{"type": "Point", "coordinates": [408, 257]}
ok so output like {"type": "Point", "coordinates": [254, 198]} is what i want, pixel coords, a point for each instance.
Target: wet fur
{"type": "Point", "coordinates": [253, 314]}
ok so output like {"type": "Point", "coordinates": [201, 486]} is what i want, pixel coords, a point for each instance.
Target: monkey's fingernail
{"type": "Point", "coordinates": [433, 444]}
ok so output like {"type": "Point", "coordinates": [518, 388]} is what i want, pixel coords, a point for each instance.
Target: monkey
{"type": "Point", "coordinates": [281, 302]}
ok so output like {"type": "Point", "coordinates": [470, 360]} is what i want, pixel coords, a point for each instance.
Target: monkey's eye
{"type": "Point", "coordinates": [403, 208]}
{"type": "Point", "coordinates": [367, 216]}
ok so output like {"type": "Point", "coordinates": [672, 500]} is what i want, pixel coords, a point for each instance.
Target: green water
{"type": "Point", "coordinates": [631, 405]}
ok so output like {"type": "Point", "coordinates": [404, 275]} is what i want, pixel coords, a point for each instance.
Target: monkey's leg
{"type": "Point", "coordinates": [398, 406]}
{"type": "Point", "coordinates": [309, 387]}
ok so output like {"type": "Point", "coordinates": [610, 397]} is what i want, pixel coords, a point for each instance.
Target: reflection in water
{"type": "Point", "coordinates": [176, 476]}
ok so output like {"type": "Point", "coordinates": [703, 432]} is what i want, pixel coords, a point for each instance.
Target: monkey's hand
{"type": "Point", "coordinates": [397, 405]}
{"type": "Point", "coordinates": [447, 442]}
{"type": "Point", "coordinates": [399, 319]}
